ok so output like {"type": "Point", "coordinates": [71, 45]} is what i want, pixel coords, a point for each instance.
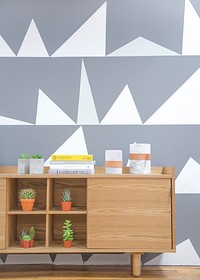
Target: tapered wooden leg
{"type": "Point", "coordinates": [136, 264]}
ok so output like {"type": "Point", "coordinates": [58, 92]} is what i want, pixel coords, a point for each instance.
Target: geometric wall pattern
{"type": "Point", "coordinates": [71, 82]}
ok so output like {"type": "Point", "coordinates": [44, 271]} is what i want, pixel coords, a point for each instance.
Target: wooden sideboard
{"type": "Point", "coordinates": [110, 213]}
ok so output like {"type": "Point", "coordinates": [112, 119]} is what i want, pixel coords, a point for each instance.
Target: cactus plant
{"type": "Point", "coordinates": [66, 200]}
{"type": "Point", "coordinates": [66, 195]}
{"type": "Point", "coordinates": [26, 241]}
{"type": "Point", "coordinates": [26, 237]}
{"type": "Point", "coordinates": [27, 193]}
{"type": "Point", "coordinates": [27, 198]}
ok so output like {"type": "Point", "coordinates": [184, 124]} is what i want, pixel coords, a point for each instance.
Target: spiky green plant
{"type": "Point", "coordinates": [24, 232]}
{"type": "Point", "coordinates": [66, 196]}
{"type": "Point", "coordinates": [36, 156]}
{"type": "Point", "coordinates": [32, 232]}
{"type": "Point", "coordinates": [68, 233]}
{"type": "Point", "coordinates": [26, 237]}
{"type": "Point", "coordinates": [24, 156]}
{"type": "Point", "coordinates": [27, 193]}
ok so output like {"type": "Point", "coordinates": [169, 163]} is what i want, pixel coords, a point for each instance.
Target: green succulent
{"type": "Point", "coordinates": [36, 156]}
{"type": "Point", "coordinates": [32, 232]}
{"type": "Point", "coordinates": [27, 193]}
{"type": "Point", "coordinates": [66, 195]}
{"type": "Point", "coordinates": [24, 232]}
{"type": "Point", "coordinates": [26, 237]}
{"type": "Point", "coordinates": [68, 233]}
{"type": "Point", "coordinates": [24, 156]}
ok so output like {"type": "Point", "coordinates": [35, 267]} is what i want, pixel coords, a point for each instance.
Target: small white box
{"type": "Point", "coordinates": [36, 165]}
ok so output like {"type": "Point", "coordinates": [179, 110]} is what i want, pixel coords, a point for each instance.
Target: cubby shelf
{"type": "Point", "coordinates": [110, 213]}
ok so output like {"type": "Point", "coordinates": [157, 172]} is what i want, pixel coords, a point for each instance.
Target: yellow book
{"type": "Point", "coordinates": [71, 157]}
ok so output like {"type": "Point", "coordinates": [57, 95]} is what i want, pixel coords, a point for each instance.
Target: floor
{"type": "Point", "coordinates": [58, 272]}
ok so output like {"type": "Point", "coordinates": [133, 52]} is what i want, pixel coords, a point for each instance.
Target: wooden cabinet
{"type": "Point", "coordinates": [139, 210]}
{"type": "Point", "coordinates": [2, 213]}
{"type": "Point", "coordinates": [110, 213]}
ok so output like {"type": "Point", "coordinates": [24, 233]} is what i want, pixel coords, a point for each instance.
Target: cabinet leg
{"type": "Point", "coordinates": [136, 264]}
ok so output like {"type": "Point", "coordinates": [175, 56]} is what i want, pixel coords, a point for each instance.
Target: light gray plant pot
{"type": "Point", "coordinates": [23, 166]}
{"type": "Point", "coordinates": [36, 165]}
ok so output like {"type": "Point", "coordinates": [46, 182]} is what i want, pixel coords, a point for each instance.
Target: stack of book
{"type": "Point", "coordinates": [71, 164]}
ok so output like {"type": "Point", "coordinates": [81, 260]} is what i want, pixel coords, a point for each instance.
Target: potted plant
{"type": "Point", "coordinates": [36, 164]}
{"type": "Point", "coordinates": [66, 200]}
{"type": "Point", "coordinates": [24, 232]}
{"type": "Point", "coordinates": [68, 234]}
{"type": "Point", "coordinates": [32, 235]}
{"type": "Point", "coordinates": [27, 236]}
{"type": "Point", "coordinates": [26, 241]}
{"type": "Point", "coordinates": [27, 198]}
{"type": "Point", "coordinates": [23, 163]}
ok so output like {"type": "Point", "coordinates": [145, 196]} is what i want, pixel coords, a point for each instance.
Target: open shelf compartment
{"type": "Point", "coordinates": [78, 190]}
{"type": "Point", "coordinates": [56, 223]}
{"type": "Point", "coordinates": [18, 222]}
{"type": "Point", "coordinates": [16, 184]}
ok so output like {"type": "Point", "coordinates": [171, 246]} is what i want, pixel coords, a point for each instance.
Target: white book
{"type": "Point", "coordinates": [71, 171]}
{"type": "Point", "coordinates": [71, 166]}
{"type": "Point", "coordinates": [57, 162]}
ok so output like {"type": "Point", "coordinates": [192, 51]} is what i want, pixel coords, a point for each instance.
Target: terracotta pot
{"type": "Point", "coordinates": [67, 243]}
{"type": "Point", "coordinates": [26, 244]}
{"type": "Point", "coordinates": [31, 242]}
{"type": "Point", "coordinates": [66, 205]}
{"type": "Point", "coordinates": [27, 204]}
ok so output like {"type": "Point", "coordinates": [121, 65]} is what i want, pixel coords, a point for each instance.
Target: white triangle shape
{"type": "Point", "coordinates": [188, 181]}
{"type": "Point", "coordinates": [74, 145]}
{"type": "Point", "coordinates": [142, 47]}
{"type": "Point", "coordinates": [33, 45]}
{"type": "Point", "coordinates": [185, 255]}
{"type": "Point", "coordinates": [182, 107]}
{"type": "Point", "coordinates": [89, 39]}
{"type": "Point", "coordinates": [5, 50]}
{"type": "Point", "coordinates": [48, 113]}
{"type": "Point", "coordinates": [86, 109]}
{"type": "Point", "coordinates": [191, 31]}
{"type": "Point", "coordinates": [123, 111]}
{"type": "Point", "coordinates": [9, 121]}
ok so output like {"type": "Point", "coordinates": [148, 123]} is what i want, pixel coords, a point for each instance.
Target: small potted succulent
{"type": "Point", "coordinates": [24, 232]}
{"type": "Point", "coordinates": [27, 237]}
{"type": "Point", "coordinates": [23, 163]}
{"type": "Point", "coordinates": [66, 200]}
{"type": "Point", "coordinates": [26, 241]}
{"type": "Point", "coordinates": [32, 235]}
{"type": "Point", "coordinates": [68, 234]}
{"type": "Point", "coordinates": [27, 198]}
{"type": "Point", "coordinates": [36, 164]}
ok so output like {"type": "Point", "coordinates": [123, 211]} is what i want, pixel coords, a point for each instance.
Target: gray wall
{"type": "Point", "coordinates": [85, 76]}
